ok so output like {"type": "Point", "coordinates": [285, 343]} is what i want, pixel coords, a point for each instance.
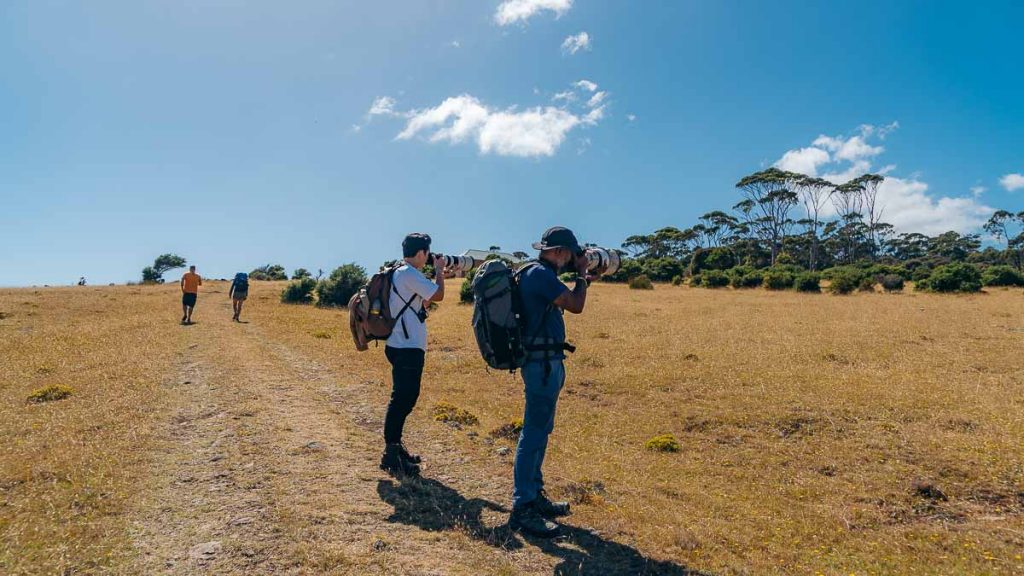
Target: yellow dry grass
{"type": "Point", "coordinates": [866, 434]}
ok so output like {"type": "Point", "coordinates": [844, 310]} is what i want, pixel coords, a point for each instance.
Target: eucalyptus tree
{"type": "Point", "coordinates": [869, 185]}
{"type": "Point", "coordinates": [766, 206]}
{"type": "Point", "coordinates": [1009, 227]}
{"type": "Point", "coordinates": [814, 194]}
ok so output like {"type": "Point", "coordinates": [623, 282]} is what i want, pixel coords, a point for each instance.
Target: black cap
{"type": "Point", "coordinates": [558, 237]}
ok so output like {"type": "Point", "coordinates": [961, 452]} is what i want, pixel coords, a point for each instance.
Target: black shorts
{"type": "Point", "coordinates": [188, 299]}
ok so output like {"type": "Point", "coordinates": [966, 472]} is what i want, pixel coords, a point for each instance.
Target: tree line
{"type": "Point", "coordinates": [790, 219]}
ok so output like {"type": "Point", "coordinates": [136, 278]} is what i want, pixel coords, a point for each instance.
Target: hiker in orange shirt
{"type": "Point", "coordinates": [190, 283]}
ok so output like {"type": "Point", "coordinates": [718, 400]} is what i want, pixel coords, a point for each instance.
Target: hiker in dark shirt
{"type": "Point", "coordinates": [544, 298]}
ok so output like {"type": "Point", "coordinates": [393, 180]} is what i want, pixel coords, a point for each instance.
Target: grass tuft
{"type": "Point", "coordinates": [508, 430]}
{"type": "Point", "coordinates": [445, 412]}
{"type": "Point", "coordinates": [50, 393]}
{"type": "Point", "coordinates": [663, 443]}
{"type": "Point", "coordinates": [323, 334]}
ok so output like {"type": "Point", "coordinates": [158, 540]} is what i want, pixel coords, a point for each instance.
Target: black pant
{"type": "Point", "coordinates": [406, 373]}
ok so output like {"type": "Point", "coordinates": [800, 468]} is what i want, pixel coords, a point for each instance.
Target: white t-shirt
{"type": "Point", "coordinates": [413, 287]}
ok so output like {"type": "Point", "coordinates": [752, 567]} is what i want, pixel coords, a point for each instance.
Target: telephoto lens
{"type": "Point", "coordinates": [602, 262]}
{"type": "Point", "coordinates": [457, 263]}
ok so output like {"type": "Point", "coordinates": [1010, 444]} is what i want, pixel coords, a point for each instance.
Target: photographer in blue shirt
{"type": "Point", "coordinates": [544, 298]}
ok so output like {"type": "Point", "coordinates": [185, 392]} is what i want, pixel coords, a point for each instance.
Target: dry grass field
{"type": "Point", "coordinates": [868, 434]}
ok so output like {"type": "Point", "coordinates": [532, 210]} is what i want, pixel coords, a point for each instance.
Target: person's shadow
{"type": "Point", "coordinates": [433, 506]}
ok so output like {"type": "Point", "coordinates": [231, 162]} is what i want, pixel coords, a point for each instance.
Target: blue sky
{"type": "Point", "coordinates": [239, 133]}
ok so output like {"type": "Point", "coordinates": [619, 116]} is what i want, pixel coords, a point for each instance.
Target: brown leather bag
{"type": "Point", "coordinates": [369, 310]}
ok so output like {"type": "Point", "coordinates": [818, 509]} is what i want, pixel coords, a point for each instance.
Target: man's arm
{"type": "Point", "coordinates": [574, 300]}
{"type": "Point", "coordinates": [182, 284]}
{"type": "Point", "coordinates": [231, 291]}
{"type": "Point", "coordinates": [439, 280]}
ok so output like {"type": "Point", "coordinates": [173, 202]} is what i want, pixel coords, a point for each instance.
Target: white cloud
{"type": "Point", "coordinates": [596, 99]}
{"type": "Point", "coordinates": [1012, 182]}
{"type": "Point", "coordinates": [383, 106]}
{"type": "Point", "coordinates": [586, 85]}
{"type": "Point", "coordinates": [574, 44]}
{"type": "Point", "coordinates": [977, 191]}
{"type": "Point", "coordinates": [567, 96]}
{"type": "Point", "coordinates": [455, 44]}
{"type": "Point", "coordinates": [512, 11]}
{"type": "Point", "coordinates": [631, 117]}
{"type": "Point", "coordinates": [906, 203]}
{"type": "Point", "coordinates": [532, 132]}
{"type": "Point", "coordinates": [804, 160]}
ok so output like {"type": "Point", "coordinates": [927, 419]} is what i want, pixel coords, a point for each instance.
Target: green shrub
{"type": "Point", "coordinates": [338, 288]}
{"type": "Point", "coordinates": [445, 412]}
{"type": "Point", "coordinates": [641, 282]}
{"type": "Point", "coordinates": [866, 284]}
{"type": "Point", "coordinates": [920, 274]}
{"type": "Point", "coordinates": [778, 279]}
{"type": "Point", "coordinates": [677, 281]}
{"type": "Point", "coordinates": [715, 279]}
{"type": "Point", "coordinates": [50, 393]}
{"type": "Point", "coordinates": [301, 273]}
{"type": "Point", "coordinates": [892, 282]}
{"type": "Point", "coordinates": [696, 280]}
{"type": "Point", "coordinates": [745, 277]}
{"type": "Point", "coordinates": [299, 291]}
{"type": "Point", "coordinates": [269, 272]}
{"type": "Point", "coordinates": [844, 281]}
{"type": "Point", "coordinates": [876, 271]}
{"type": "Point", "coordinates": [1002, 276]}
{"type": "Point", "coordinates": [663, 443]}
{"type": "Point", "coordinates": [956, 277]}
{"type": "Point", "coordinates": [466, 291]}
{"type": "Point", "coordinates": [662, 269]}
{"type": "Point", "coordinates": [807, 282]}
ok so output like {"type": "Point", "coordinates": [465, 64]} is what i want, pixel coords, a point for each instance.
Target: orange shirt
{"type": "Point", "coordinates": [191, 282]}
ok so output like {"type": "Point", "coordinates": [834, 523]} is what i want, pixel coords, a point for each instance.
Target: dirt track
{"type": "Point", "coordinates": [268, 464]}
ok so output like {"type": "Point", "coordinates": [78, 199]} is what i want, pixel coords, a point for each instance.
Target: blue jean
{"type": "Point", "coordinates": [538, 422]}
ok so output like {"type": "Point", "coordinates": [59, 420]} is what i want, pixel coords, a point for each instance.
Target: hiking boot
{"type": "Point", "coordinates": [549, 509]}
{"type": "Point", "coordinates": [393, 463]}
{"type": "Point", "coordinates": [528, 519]}
{"type": "Point", "coordinates": [407, 456]}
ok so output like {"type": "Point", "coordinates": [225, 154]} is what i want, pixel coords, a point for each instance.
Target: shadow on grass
{"type": "Point", "coordinates": [433, 506]}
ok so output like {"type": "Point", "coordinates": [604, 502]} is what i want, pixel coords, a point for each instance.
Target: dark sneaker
{"type": "Point", "coordinates": [393, 463]}
{"type": "Point", "coordinates": [528, 519]}
{"type": "Point", "coordinates": [407, 456]}
{"type": "Point", "coordinates": [549, 509]}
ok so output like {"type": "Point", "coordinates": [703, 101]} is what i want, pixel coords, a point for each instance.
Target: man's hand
{"type": "Point", "coordinates": [438, 264]}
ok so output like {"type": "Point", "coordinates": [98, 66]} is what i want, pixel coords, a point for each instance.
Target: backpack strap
{"type": "Point", "coordinates": [408, 303]}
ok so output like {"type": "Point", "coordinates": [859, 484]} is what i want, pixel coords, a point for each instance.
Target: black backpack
{"type": "Point", "coordinates": [498, 321]}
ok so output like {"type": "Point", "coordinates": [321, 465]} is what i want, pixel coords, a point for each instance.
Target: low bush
{"type": "Point", "coordinates": [715, 279]}
{"type": "Point", "coordinates": [677, 281]}
{"type": "Point", "coordinates": [778, 279]}
{"type": "Point", "coordinates": [50, 393]}
{"type": "Point", "coordinates": [338, 288]}
{"type": "Point", "coordinates": [299, 291]}
{"type": "Point", "coordinates": [745, 277]}
{"type": "Point", "coordinates": [445, 412]}
{"type": "Point", "coordinates": [508, 431]}
{"type": "Point", "coordinates": [466, 291]}
{"type": "Point", "coordinates": [301, 273]}
{"type": "Point", "coordinates": [920, 274]}
{"type": "Point", "coordinates": [696, 280]}
{"type": "Point", "coordinates": [866, 284]}
{"type": "Point", "coordinates": [1002, 276]}
{"type": "Point", "coordinates": [844, 281]}
{"type": "Point", "coordinates": [807, 282]}
{"type": "Point", "coordinates": [956, 277]}
{"type": "Point", "coordinates": [892, 282]}
{"type": "Point", "coordinates": [641, 282]}
{"type": "Point", "coordinates": [269, 272]}
{"type": "Point", "coordinates": [663, 443]}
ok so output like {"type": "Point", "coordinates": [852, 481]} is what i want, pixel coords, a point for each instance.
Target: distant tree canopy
{"type": "Point", "coordinates": [162, 264]}
{"type": "Point", "coordinates": [301, 273]}
{"type": "Point", "coordinates": [269, 272]}
{"type": "Point", "coordinates": [790, 219]}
